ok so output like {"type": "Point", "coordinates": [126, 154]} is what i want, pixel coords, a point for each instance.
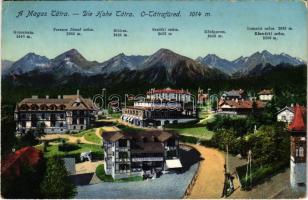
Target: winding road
{"type": "Point", "coordinates": [210, 178]}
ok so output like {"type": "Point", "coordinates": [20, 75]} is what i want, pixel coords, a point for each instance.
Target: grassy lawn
{"type": "Point", "coordinates": [52, 150]}
{"type": "Point", "coordinates": [115, 115]}
{"type": "Point", "coordinates": [100, 173]}
{"type": "Point", "coordinates": [195, 129]}
{"type": "Point", "coordinates": [129, 129]}
{"type": "Point", "coordinates": [92, 137]}
{"type": "Point", "coordinates": [200, 132]}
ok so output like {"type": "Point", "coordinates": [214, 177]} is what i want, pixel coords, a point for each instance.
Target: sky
{"type": "Point", "coordinates": [233, 17]}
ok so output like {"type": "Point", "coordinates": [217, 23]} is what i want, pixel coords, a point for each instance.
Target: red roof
{"type": "Point", "coordinates": [12, 163]}
{"type": "Point", "coordinates": [243, 104]}
{"type": "Point", "coordinates": [298, 123]}
{"type": "Point", "coordinates": [167, 90]}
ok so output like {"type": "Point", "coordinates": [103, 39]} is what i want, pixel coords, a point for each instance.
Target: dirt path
{"type": "Point", "coordinates": [87, 167]}
{"type": "Point", "coordinates": [71, 139]}
{"type": "Point", "coordinates": [210, 180]}
{"type": "Point", "coordinates": [98, 132]}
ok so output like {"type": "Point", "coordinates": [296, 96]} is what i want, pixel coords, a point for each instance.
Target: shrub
{"type": "Point", "coordinates": [68, 147]}
{"type": "Point", "coordinates": [100, 173]}
{"type": "Point", "coordinates": [188, 139]}
{"type": "Point", "coordinates": [259, 173]}
{"type": "Point", "coordinates": [96, 155]}
{"type": "Point", "coordinates": [56, 183]}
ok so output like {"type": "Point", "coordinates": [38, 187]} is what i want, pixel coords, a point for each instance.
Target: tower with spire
{"type": "Point", "coordinates": [298, 132]}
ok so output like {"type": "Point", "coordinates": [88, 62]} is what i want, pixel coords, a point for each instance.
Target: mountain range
{"type": "Point", "coordinates": [162, 66]}
{"type": "Point", "coordinates": [246, 65]}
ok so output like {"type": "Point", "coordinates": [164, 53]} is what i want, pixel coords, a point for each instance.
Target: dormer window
{"type": "Point", "coordinates": [62, 107]}
{"type": "Point", "coordinates": [53, 107]}
{"type": "Point", "coordinates": [43, 107]}
{"type": "Point", "coordinates": [77, 101]}
{"type": "Point", "coordinates": [34, 107]}
{"type": "Point", "coordinates": [24, 107]}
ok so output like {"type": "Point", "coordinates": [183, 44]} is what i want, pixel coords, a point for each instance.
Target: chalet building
{"type": "Point", "coordinates": [161, 107]}
{"type": "Point", "coordinates": [266, 95]}
{"type": "Point", "coordinates": [298, 128]}
{"type": "Point", "coordinates": [287, 113]}
{"type": "Point", "coordinates": [233, 95]}
{"type": "Point", "coordinates": [240, 107]}
{"type": "Point", "coordinates": [140, 154]}
{"type": "Point", "coordinates": [202, 97]}
{"type": "Point", "coordinates": [56, 115]}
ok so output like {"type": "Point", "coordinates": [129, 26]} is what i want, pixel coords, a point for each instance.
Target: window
{"type": "Point", "coordinates": [74, 127]}
{"type": "Point", "coordinates": [81, 112]}
{"type": "Point", "coordinates": [171, 142]}
{"type": "Point", "coordinates": [43, 116]}
{"type": "Point", "coordinates": [61, 124]}
{"type": "Point", "coordinates": [81, 120]}
{"type": "Point", "coordinates": [75, 112]}
{"type": "Point", "coordinates": [61, 116]}
{"type": "Point", "coordinates": [283, 117]}
{"type": "Point", "coordinates": [23, 116]}
{"type": "Point", "coordinates": [301, 151]}
{"type": "Point", "coordinates": [122, 143]}
{"type": "Point", "coordinates": [123, 155]}
{"type": "Point", "coordinates": [74, 120]}
{"type": "Point", "coordinates": [33, 120]}
{"type": "Point", "coordinates": [23, 124]}
{"type": "Point", "coordinates": [81, 127]}
{"type": "Point", "coordinates": [53, 120]}
{"type": "Point", "coordinates": [123, 166]}
{"type": "Point", "coordinates": [171, 154]}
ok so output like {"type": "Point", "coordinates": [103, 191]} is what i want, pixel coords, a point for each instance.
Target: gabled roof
{"type": "Point", "coordinates": [291, 109]}
{"type": "Point", "coordinates": [160, 136]}
{"type": "Point", "coordinates": [70, 102]}
{"type": "Point", "coordinates": [168, 90]}
{"type": "Point", "coordinates": [148, 147]}
{"type": "Point", "coordinates": [298, 123]}
{"type": "Point", "coordinates": [286, 108]}
{"type": "Point", "coordinates": [12, 163]}
{"type": "Point", "coordinates": [239, 93]}
{"type": "Point", "coordinates": [243, 104]}
{"type": "Point", "coordinates": [265, 92]}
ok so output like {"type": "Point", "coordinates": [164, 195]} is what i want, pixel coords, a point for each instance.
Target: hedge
{"type": "Point", "coordinates": [189, 139]}
{"type": "Point", "coordinates": [259, 173]}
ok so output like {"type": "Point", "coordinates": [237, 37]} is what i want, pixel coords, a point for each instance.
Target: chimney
{"type": "Point", "coordinates": [59, 96]}
{"type": "Point", "coordinates": [47, 96]}
{"type": "Point", "coordinates": [292, 105]}
{"type": "Point", "coordinates": [78, 92]}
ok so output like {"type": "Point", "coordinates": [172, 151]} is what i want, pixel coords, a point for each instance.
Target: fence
{"type": "Point", "coordinates": [193, 180]}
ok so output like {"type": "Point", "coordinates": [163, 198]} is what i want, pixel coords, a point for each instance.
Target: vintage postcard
{"type": "Point", "coordinates": [154, 99]}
